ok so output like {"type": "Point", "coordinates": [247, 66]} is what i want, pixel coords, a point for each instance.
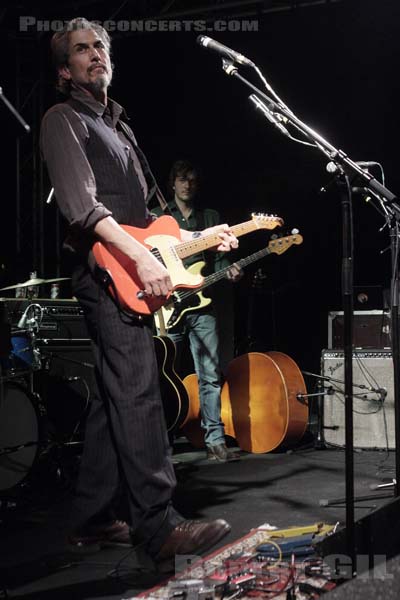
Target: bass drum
{"type": "Point", "coordinates": [21, 356]}
{"type": "Point", "coordinates": [19, 426]}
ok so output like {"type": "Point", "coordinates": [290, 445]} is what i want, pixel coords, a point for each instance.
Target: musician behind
{"type": "Point", "coordinates": [102, 180]}
{"type": "Point", "coordinates": [198, 328]}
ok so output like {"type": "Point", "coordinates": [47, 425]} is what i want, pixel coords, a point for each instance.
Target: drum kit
{"type": "Point", "coordinates": [32, 427]}
{"type": "Point", "coordinates": [31, 283]}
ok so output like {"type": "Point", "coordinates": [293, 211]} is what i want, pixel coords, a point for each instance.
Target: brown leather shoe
{"type": "Point", "coordinates": [190, 537]}
{"type": "Point", "coordinates": [116, 533]}
{"type": "Point", "coordinates": [220, 453]}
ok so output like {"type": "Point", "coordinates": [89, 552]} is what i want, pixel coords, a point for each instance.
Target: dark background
{"type": "Point", "coordinates": [335, 65]}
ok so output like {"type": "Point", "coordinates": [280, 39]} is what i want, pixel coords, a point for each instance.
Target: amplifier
{"type": "Point", "coordinates": [61, 320]}
{"type": "Point", "coordinates": [373, 411]}
{"type": "Point", "coordinates": [371, 329]}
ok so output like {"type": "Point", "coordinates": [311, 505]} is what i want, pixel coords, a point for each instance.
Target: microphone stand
{"type": "Point", "coordinates": [346, 168]}
{"type": "Point", "coordinates": [394, 311]}
{"type": "Point", "coordinates": [334, 154]}
{"type": "Point", "coordinates": [14, 111]}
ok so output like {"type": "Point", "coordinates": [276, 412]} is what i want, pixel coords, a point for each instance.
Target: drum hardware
{"type": "Point", "coordinates": [24, 348]}
{"type": "Point", "coordinates": [319, 440]}
{"type": "Point", "coordinates": [60, 382]}
{"type": "Point", "coordinates": [23, 355]}
{"type": "Point", "coordinates": [11, 449]}
{"type": "Point", "coordinates": [40, 434]}
{"type": "Point", "coordinates": [33, 282]}
{"type": "Point", "coordinates": [19, 421]}
{"type": "Point", "coordinates": [49, 455]}
{"type": "Point", "coordinates": [36, 429]}
{"type": "Point", "coordinates": [31, 317]}
{"type": "Point", "coordinates": [49, 355]}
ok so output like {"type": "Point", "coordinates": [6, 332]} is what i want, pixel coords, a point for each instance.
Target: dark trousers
{"type": "Point", "coordinates": [126, 443]}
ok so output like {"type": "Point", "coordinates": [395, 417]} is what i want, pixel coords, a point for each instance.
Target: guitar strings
{"type": "Point", "coordinates": [184, 295]}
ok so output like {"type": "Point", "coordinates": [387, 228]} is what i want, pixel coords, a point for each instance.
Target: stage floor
{"type": "Point", "coordinates": [283, 489]}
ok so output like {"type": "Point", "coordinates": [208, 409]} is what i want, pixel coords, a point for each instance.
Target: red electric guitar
{"type": "Point", "coordinates": [162, 238]}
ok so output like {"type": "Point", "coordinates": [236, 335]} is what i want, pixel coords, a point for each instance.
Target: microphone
{"type": "Point", "coordinates": [332, 167]}
{"type": "Point", "coordinates": [226, 52]}
{"type": "Point", "coordinates": [27, 319]}
{"type": "Point", "coordinates": [22, 322]}
{"type": "Point", "coordinates": [274, 118]}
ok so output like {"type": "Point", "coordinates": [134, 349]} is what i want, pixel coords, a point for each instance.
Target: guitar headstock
{"type": "Point", "coordinates": [263, 221]}
{"type": "Point", "coordinates": [279, 245]}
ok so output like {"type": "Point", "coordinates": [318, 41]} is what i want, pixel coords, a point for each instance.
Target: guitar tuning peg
{"type": "Point", "coordinates": [295, 231]}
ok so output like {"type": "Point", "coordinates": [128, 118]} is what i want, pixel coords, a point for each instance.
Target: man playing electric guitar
{"type": "Point", "coordinates": [200, 327]}
{"type": "Point", "coordinates": [102, 183]}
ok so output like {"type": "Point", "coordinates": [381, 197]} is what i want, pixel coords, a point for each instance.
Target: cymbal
{"type": "Point", "coordinates": [34, 282]}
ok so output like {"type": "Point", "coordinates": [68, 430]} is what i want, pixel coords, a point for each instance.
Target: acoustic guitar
{"type": "Point", "coordinates": [183, 301]}
{"type": "Point", "coordinates": [259, 403]}
{"type": "Point", "coordinates": [173, 392]}
{"type": "Point", "coordinates": [162, 237]}
{"type": "Point", "coordinates": [174, 396]}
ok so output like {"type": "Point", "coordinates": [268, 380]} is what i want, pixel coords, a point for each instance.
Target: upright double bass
{"type": "Point", "coordinates": [262, 403]}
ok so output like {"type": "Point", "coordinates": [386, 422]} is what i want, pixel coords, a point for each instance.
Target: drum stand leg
{"type": "Point", "coordinates": [321, 391]}
{"type": "Point", "coordinates": [335, 501]}
{"type": "Point", "coordinates": [320, 437]}
{"type": "Point", "coordinates": [383, 486]}
{"type": "Point", "coordinates": [319, 443]}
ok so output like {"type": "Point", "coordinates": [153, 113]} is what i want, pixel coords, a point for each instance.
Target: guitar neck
{"type": "Point", "coordinates": [214, 277]}
{"type": "Point", "coordinates": [244, 262]}
{"type": "Point", "coordinates": [185, 249]}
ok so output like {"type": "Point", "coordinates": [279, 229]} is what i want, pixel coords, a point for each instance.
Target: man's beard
{"type": "Point", "coordinates": [99, 86]}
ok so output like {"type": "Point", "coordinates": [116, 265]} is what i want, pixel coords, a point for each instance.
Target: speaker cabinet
{"type": "Point", "coordinates": [371, 329]}
{"type": "Point", "coordinates": [373, 411]}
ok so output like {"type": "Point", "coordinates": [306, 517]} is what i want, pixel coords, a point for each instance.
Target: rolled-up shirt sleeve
{"type": "Point", "coordinates": [63, 136]}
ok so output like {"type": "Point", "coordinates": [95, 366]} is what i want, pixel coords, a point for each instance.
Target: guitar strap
{"type": "Point", "coordinates": [152, 184]}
